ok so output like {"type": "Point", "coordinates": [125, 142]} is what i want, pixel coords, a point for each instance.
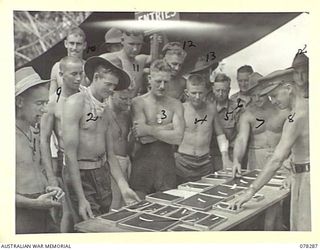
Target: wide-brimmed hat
{"type": "Point", "coordinates": [113, 63]}
{"type": "Point", "coordinates": [276, 79]}
{"type": "Point", "coordinates": [254, 81]}
{"type": "Point", "coordinates": [113, 35]}
{"type": "Point", "coordinates": [26, 78]}
{"type": "Point", "coordinates": [300, 59]}
{"type": "Point", "coordinates": [203, 63]}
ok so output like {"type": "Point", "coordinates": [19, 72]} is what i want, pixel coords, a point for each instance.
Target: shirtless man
{"type": "Point", "coordinates": [262, 122]}
{"type": "Point", "coordinates": [174, 56]}
{"type": "Point", "coordinates": [158, 124]}
{"type": "Point", "coordinates": [34, 195]}
{"type": "Point", "coordinates": [75, 44]}
{"type": "Point", "coordinates": [88, 141]}
{"type": "Point", "coordinates": [260, 129]}
{"type": "Point", "coordinates": [300, 65]}
{"type": "Point", "coordinates": [294, 139]}
{"type": "Point", "coordinates": [120, 127]}
{"type": "Point", "coordinates": [71, 71]}
{"type": "Point", "coordinates": [131, 60]}
{"type": "Point", "coordinates": [193, 159]}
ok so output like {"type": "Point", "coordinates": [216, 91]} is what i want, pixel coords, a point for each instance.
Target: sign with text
{"type": "Point", "coordinates": [156, 16]}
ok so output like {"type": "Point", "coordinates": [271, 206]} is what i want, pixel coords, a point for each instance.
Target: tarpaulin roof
{"type": "Point", "coordinates": [222, 33]}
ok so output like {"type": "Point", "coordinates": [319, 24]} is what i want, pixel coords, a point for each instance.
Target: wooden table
{"type": "Point", "coordinates": [272, 195]}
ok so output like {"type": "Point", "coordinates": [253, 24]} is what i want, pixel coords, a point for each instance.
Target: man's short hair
{"type": "Point", "coordinates": [68, 59]}
{"type": "Point", "coordinates": [130, 32]}
{"type": "Point", "coordinates": [174, 48]}
{"type": "Point", "coordinates": [220, 77]}
{"type": "Point", "coordinates": [160, 65]}
{"type": "Point", "coordinates": [245, 69]}
{"type": "Point", "coordinates": [77, 32]}
{"type": "Point", "coordinates": [195, 80]}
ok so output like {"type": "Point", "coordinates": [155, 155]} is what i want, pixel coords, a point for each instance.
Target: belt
{"type": "Point", "coordinates": [300, 168]}
{"type": "Point", "coordinates": [86, 164]}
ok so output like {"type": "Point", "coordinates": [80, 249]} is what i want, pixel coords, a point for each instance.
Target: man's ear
{"type": "Point", "coordinates": [65, 43]}
{"type": "Point", "coordinates": [186, 92]}
{"type": "Point", "coordinates": [19, 101]}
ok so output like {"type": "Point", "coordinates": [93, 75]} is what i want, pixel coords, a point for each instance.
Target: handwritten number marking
{"type": "Point", "coordinates": [58, 92]}
{"type": "Point", "coordinates": [91, 117]}
{"type": "Point", "coordinates": [260, 120]}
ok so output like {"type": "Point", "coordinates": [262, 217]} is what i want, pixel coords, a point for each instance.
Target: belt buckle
{"type": "Point", "coordinates": [307, 168]}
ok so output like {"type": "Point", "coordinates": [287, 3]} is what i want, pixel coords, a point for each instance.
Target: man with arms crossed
{"type": "Point", "coordinates": [260, 130]}
{"type": "Point", "coordinates": [158, 124]}
{"type": "Point", "coordinates": [295, 140]}
{"type": "Point", "coordinates": [34, 196]}
{"type": "Point", "coordinates": [88, 141]}
{"type": "Point", "coordinates": [71, 72]}
{"type": "Point", "coordinates": [193, 159]}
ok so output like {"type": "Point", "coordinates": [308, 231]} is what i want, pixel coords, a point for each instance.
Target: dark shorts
{"type": "Point", "coordinates": [153, 168]}
{"type": "Point", "coordinates": [192, 168]}
{"type": "Point", "coordinates": [96, 184]}
{"type": "Point", "coordinates": [34, 221]}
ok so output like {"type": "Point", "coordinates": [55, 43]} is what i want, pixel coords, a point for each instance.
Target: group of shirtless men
{"type": "Point", "coordinates": [121, 133]}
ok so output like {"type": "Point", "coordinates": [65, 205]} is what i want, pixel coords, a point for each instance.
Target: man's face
{"type": "Point", "coordinates": [122, 100]}
{"type": "Point", "coordinates": [159, 83]}
{"type": "Point", "coordinates": [132, 45]}
{"type": "Point", "coordinates": [280, 97]}
{"type": "Point", "coordinates": [114, 47]}
{"type": "Point", "coordinates": [106, 84]}
{"type": "Point", "coordinates": [258, 100]}
{"type": "Point", "coordinates": [301, 75]}
{"type": "Point", "coordinates": [35, 104]}
{"type": "Point", "coordinates": [175, 62]}
{"type": "Point", "coordinates": [72, 75]}
{"type": "Point", "coordinates": [221, 91]}
{"type": "Point", "coordinates": [75, 45]}
{"type": "Point", "coordinates": [196, 95]}
{"type": "Point", "coordinates": [243, 81]}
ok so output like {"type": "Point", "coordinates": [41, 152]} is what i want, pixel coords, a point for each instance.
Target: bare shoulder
{"type": "Point", "coordinates": [75, 102]}
{"type": "Point", "coordinates": [141, 59]}
{"type": "Point", "coordinates": [138, 100]}
{"type": "Point", "coordinates": [174, 103]}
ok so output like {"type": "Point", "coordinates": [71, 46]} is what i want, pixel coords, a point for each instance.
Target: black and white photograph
{"type": "Point", "coordinates": [161, 121]}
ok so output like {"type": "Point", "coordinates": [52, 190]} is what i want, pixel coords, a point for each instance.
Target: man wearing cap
{"type": "Point", "coordinates": [300, 65]}
{"type": "Point", "coordinates": [71, 71]}
{"type": "Point", "coordinates": [88, 142]}
{"type": "Point", "coordinates": [285, 94]}
{"type": "Point", "coordinates": [131, 60]}
{"type": "Point", "coordinates": [157, 124]}
{"type": "Point", "coordinates": [193, 159]}
{"type": "Point", "coordinates": [112, 42]}
{"type": "Point", "coordinates": [34, 195]}
{"type": "Point", "coordinates": [225, 106]}
{"type": "Point", "coordinates": [174, 56]}
{"type": "Point", "coordinates": [260, 129]}
{"type": "Point", "coordinates": [75, 43]}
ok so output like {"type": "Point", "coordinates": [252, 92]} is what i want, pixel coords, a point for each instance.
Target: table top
{"type": "Point", "coordinates": [272, 195]}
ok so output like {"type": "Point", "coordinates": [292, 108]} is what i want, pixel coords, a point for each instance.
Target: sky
{"type": "Point", "coordinates": [273, 52]}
